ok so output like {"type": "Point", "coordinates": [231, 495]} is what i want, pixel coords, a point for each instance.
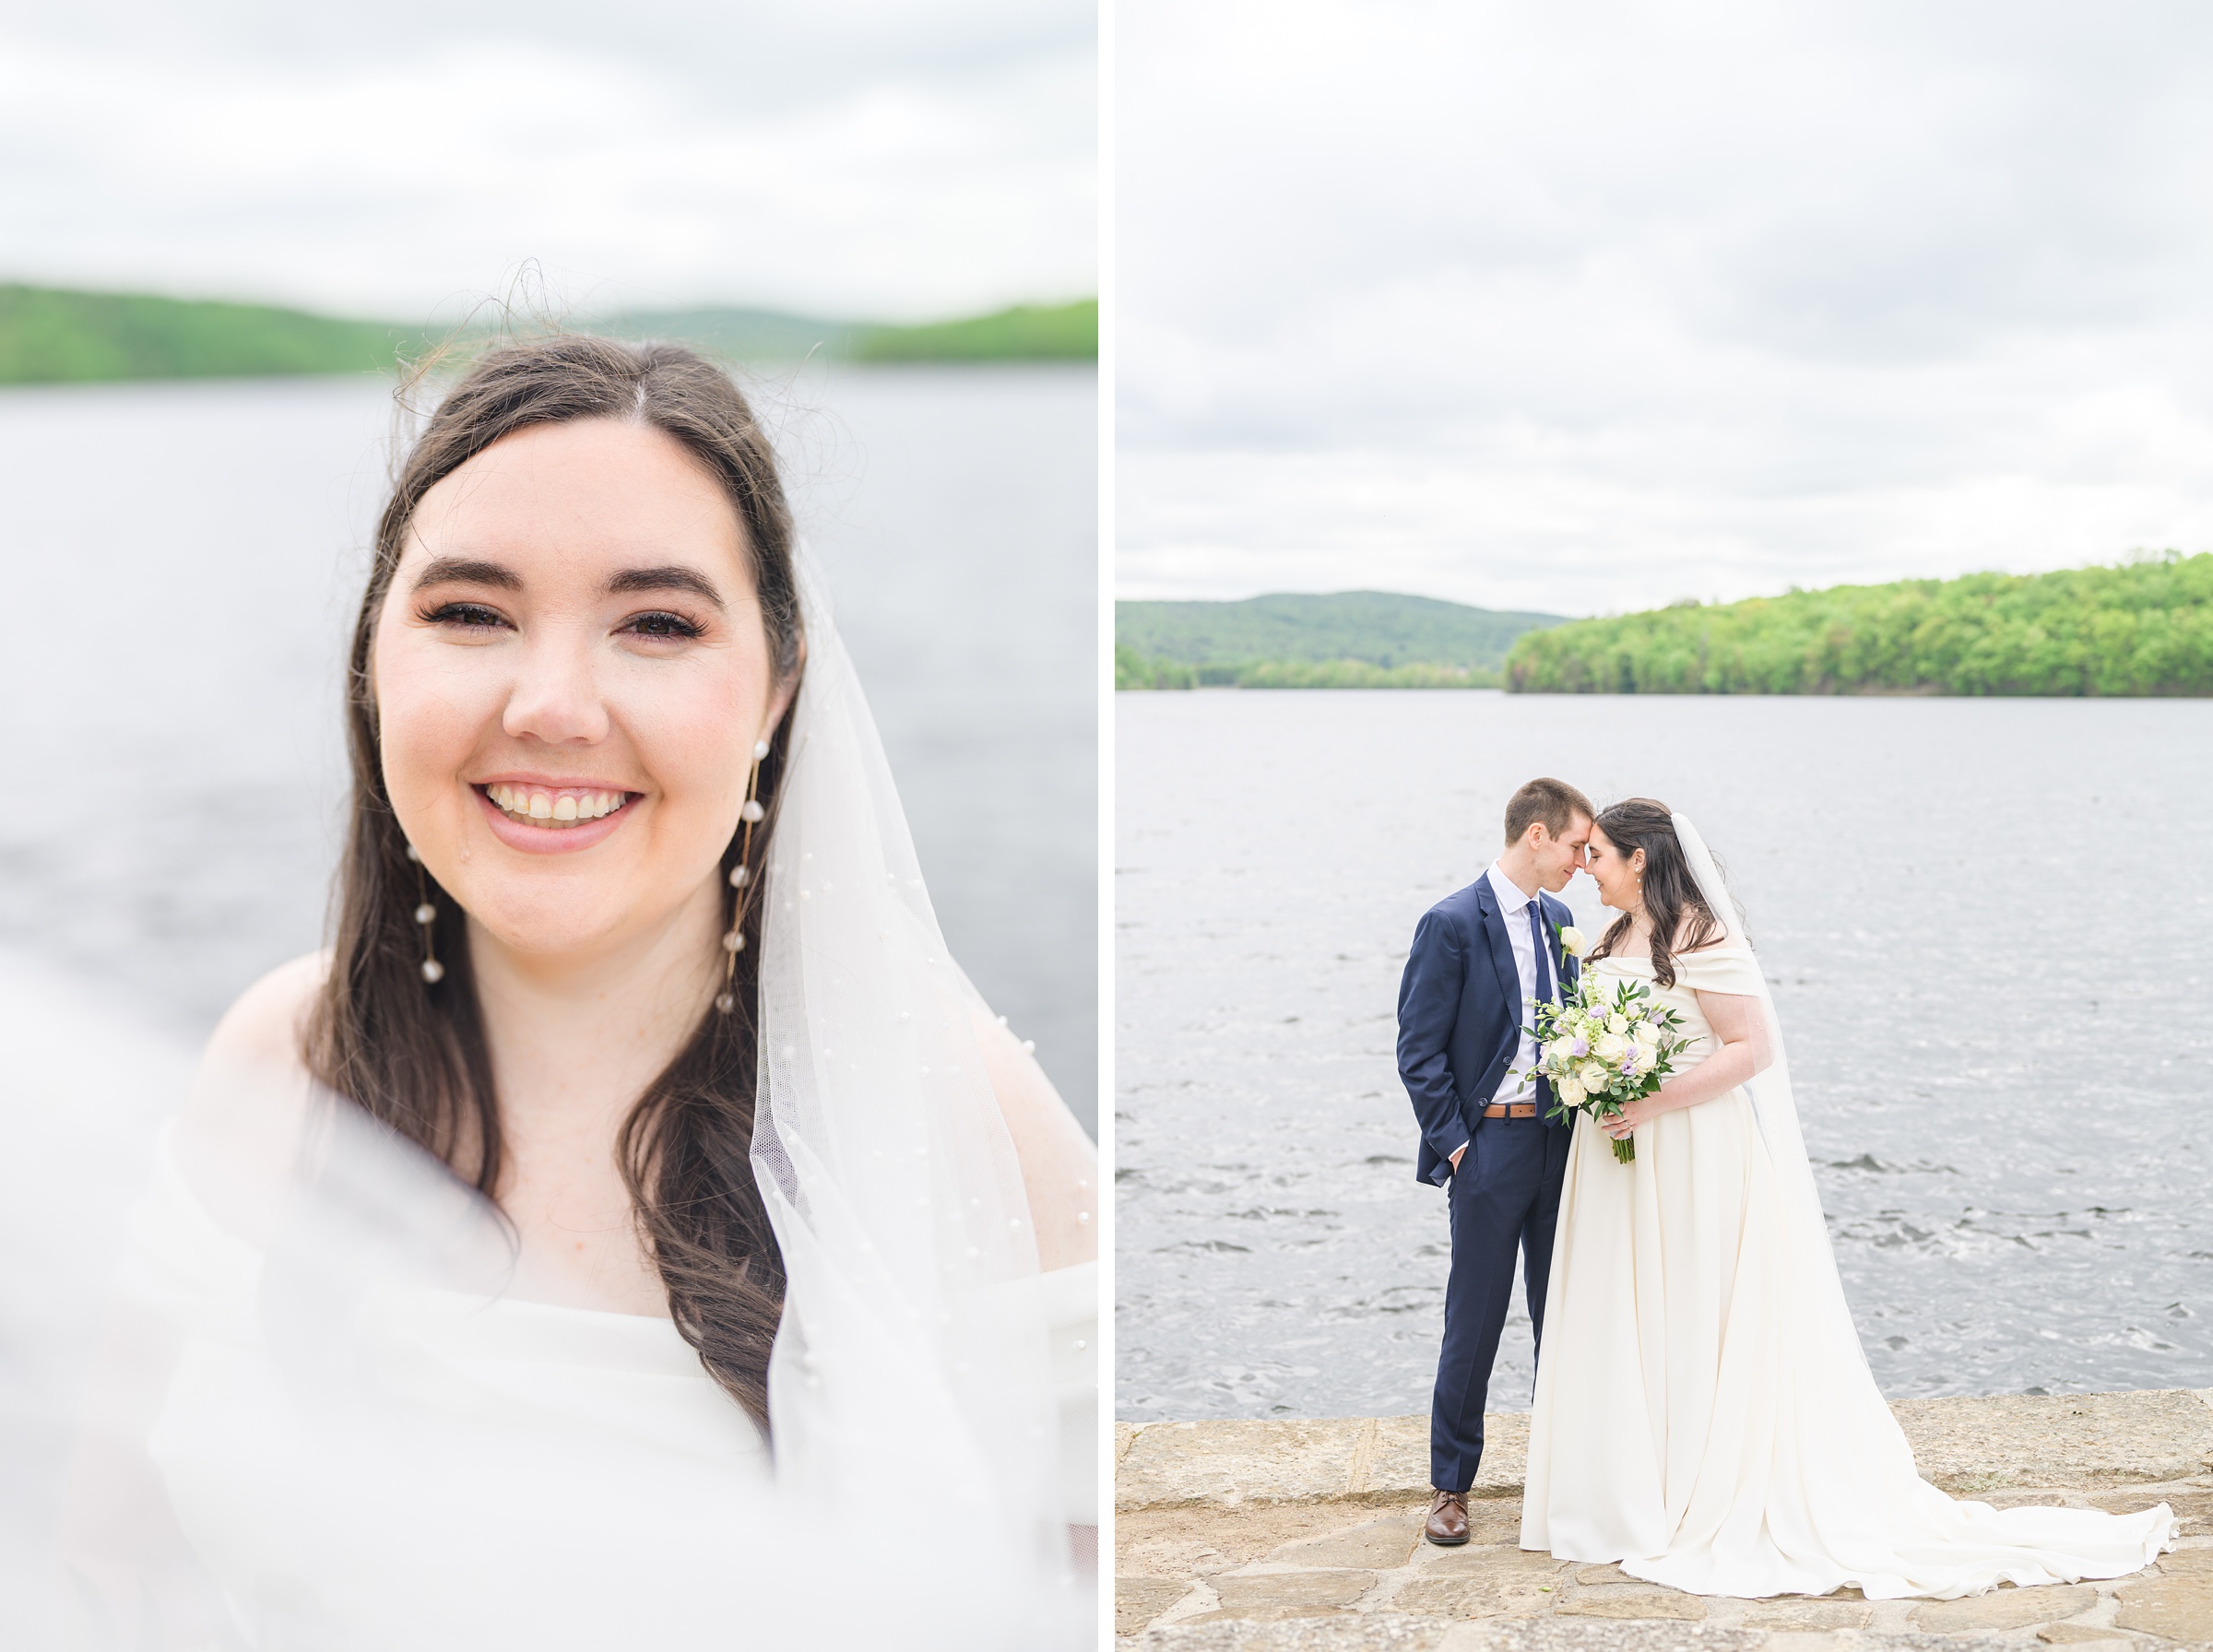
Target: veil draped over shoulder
{"type": "Point", "coordinates": [1823, 1316]}
{"type": "Point", "coordinates": [1776, 1108]}
{"type": "Point", "coordinates": [885, 1153]}
{"type": "Point", "coordinates": [337, 1411]}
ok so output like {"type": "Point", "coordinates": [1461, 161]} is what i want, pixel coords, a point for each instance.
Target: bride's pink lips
{"type": "Point", "coordinates": [550, 840]}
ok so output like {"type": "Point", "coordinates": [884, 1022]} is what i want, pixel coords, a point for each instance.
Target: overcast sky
{"type": "Point", "coordinates": [1589, 308]}
{"type": "Point", "coordinates": [855, 158]}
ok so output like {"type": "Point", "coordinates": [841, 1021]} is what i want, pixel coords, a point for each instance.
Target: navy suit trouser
{"type": "Point", "coordinates": [1504, 1196]}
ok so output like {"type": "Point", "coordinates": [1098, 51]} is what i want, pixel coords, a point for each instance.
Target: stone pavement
{"type": "Point", "coordinates": [1305, 1537]}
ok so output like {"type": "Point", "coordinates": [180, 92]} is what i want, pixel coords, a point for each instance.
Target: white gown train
{"type": "Point", "coordinates": [1704, 1412]}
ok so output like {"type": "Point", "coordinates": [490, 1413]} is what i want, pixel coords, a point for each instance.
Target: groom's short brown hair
{"type": "Point", "coordinates": [1555, 802]}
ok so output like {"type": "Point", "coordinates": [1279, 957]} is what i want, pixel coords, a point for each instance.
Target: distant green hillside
{"type": "Point", "coordinates": [49, 335]}
{"type": "Point", "coordinates": [2135, 629]}
{"type": "Point", "coordinates": [1026, 333]}
{"type": "Point", "coordinates": [53, 334]}
{"type": "Point", "coordinates": [1376, 628]}
{"type": "Point", "coordinates": [1134, 670]}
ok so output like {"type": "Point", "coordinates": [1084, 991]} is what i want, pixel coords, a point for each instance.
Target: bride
{"type": "Point", "coordinates": [635, 1231]}
{"type": "Point", "coordinates": [1704, 1414]}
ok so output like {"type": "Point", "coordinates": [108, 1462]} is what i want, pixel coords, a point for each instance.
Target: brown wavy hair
{"type": "Point", "coordinates": [1681, 921]}
{"type": "Point", "coordinates": [412, 1055]}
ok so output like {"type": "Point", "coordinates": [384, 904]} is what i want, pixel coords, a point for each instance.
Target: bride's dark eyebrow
{"type": "Point", "coordinates": [466, 571]}
{"type": "Point", "coordinates": [470, 571]}
{"type": "Point", "coordinates": [632, 580]}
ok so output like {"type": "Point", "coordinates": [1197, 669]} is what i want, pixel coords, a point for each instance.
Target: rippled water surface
{"type": "Point", "coordinates": [1990, 927]}
{"type": "Point", "coordinates": [182, 561]}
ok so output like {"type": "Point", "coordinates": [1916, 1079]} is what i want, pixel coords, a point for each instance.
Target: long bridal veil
{"type": "Point", "coordinates": [333, 1407]}
{"type": "Point", "coordinates": [886, 1152]}
{"type": "Point", "coordinates": [1808, 1482]}
{"type": "Point", "coordinates": [1776, 1108]}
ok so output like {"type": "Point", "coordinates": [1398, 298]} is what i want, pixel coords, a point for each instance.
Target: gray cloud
{"type": "Point", "coordinates": [1620, 303]}
{"type": "Point", "coordinates": [887, 157]}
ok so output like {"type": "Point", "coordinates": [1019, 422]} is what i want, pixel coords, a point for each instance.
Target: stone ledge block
{"type": "Point", "coordinates": [1377, 1545]}
{"type": "Point", "coordinates": [1345, 1632]}
{"type": "Point", "coordinates": [2005, 1608]}
{"type": "Point", "coordinates": [1472, 1597]}
{"type": "Point", "coordinates": [2197, 1560]}
{"type": "Point", "coordinates": [1492, 1560]}
{"type": "Point", "coordinates": [1645, 1601]}
{"type": "Point", "coordinates": [1285, 1594]}
{"type": "Point", "coordinates": [1604, 1635]}
{"type": "Point", "coordinates": [1390, 1632]}
{"type": "Point", "coordinates": [2178, 1609]}
{"type": "Point", "coordinates": [1177, 1465]}
{"type": "Point", "coordinates": [2059, 1440]}
{"type": "Point", "coordinates": [1138, 1600]}
{"type": "Point", "coordinates": [1807, 1613]}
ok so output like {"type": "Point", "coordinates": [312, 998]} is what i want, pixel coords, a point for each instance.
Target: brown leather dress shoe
{"type": "Point", "coordinates": [1447, 1522]}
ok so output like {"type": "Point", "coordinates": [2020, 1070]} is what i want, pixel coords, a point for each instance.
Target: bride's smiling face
{"type": "Point", "coordinates": [1617, 876]}
{"type": "Point", "coordinates": [571, 672]}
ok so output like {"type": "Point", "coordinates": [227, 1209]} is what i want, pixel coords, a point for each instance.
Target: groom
{"type": "Point", "coordinates": [1478, 957]}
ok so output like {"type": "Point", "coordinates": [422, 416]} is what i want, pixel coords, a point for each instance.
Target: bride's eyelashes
{"type": "Point", "coordinates": [463, 617]}
{"type": "Point", "coordinates": [659, 625]}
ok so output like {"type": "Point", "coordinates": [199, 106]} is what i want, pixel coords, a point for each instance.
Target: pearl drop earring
{"type": "Point", "coordinates": [425, 915]}
{"type": "Point", "coordinates": [742, 875]}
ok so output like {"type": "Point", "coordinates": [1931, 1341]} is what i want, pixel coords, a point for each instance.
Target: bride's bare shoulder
{"type": "Point", "coordinates": [238, 1135]}
{"type": "Point", "coordinates": [1059, 1166]}
{"type": "Point", "coordinates": [265, 1030]}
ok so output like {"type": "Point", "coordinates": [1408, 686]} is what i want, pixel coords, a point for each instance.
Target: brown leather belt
{"type": "Point", "coordinates": [1510, 1110]}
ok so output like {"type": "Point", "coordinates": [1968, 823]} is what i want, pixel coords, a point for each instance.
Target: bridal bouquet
{"type": "Point", "coordinates": [1602, 1049]}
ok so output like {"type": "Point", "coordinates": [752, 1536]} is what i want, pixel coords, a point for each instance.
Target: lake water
{"type": "Point", "coordinates": [1990, 927]}
{"type": "Point", "coordinates": [183, 562]}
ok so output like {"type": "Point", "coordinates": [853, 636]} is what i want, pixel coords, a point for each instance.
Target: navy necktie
{"type": "Point", "coordinates": [1544, 953]}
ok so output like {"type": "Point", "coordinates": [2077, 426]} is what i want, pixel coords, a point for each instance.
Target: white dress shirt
{"type": "Point", "coordinates": [1512, 904]}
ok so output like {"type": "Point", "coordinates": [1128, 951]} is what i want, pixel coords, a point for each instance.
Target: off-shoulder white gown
{"type": "Point", "coordinates": [332, 1456]}
{"type": "Point", "coordinates": [1700, 1417]}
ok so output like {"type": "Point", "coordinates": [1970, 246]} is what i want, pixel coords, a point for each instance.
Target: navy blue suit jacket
{"type": "Point", "coordinates": [1461, 1015]}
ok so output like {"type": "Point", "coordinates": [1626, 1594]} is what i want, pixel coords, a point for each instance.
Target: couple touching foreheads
{"type": "Point", "coordinates": [1704, 1414]}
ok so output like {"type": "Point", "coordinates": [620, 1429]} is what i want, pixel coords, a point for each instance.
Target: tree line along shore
{"type": "Point", "coordinates": [1349, 640]}
{"type": "Point", "coordinates": [2140, 627]}
{"type": "Point", "coordinates": [52, 335]}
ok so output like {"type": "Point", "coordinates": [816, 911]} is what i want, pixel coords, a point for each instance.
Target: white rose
{"type": "Point", "coordinates": [1646, 1034]}
{"type": "Point", "coordinates": [1609, 1046]}
{"type": "Point", "coordinates": [1593, 1074]}
{"type": "Point", "coordinates": [1558, 1053]}
{"type": "Point", "coordinates": [1571, 940]}
{"type": "Point", "coordinates": [1570, 1093]}
{"type": "Point", "coordinates": [1617, 1022]}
